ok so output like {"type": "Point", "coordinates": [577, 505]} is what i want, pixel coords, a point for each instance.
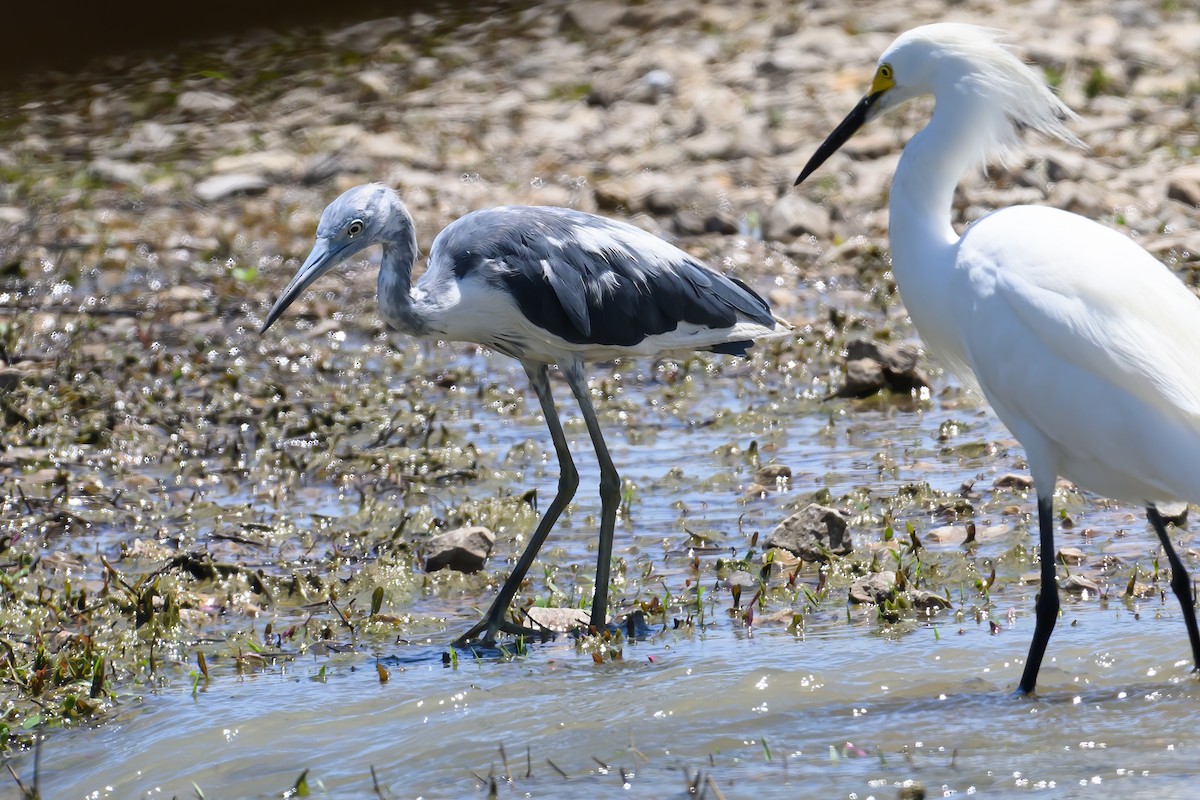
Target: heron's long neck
{"type": "Point", "coordinates": [394, 289]}
{"type": "Point", "coordinates": [922, 239]}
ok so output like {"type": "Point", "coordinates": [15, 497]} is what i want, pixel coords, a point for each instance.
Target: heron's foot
{"type": "Point", "coordinates": [484, 633]}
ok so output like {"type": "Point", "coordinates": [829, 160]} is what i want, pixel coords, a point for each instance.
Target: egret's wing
{"type": "Point", "coordinates": [1091, 297]}
{"type": "Point", "coordinates": [588, 279]}
{"type": "Point", "coordinates": [1079, 337]}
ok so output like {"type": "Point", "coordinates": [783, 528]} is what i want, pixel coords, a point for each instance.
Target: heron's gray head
{"type": "Point", "coordinates": [965, 65]}
{"type": "Point", "coordinates": [360, 217]}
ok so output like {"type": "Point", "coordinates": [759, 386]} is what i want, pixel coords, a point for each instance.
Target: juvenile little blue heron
{"type": "Point", "coordinates": [1085, 345]}
{"type": "Point", "coordinates": [545, 286]}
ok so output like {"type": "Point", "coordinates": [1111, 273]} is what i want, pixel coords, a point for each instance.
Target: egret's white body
{"type": "Point", "coordinates": [1087, 348]}
{"type": "Point", "coordinates": [1085, 345]}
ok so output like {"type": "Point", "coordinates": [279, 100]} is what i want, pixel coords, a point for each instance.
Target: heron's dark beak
{"type": "Point", "coordinates": [841, 134]}
{"type": "Point", "coordinates": [320, 260]}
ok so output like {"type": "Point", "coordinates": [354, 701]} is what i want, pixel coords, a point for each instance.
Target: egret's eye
{"type": "Point", "coordinates": [885, 71]}
{"type": "Point", "coordinates": [355, 228]}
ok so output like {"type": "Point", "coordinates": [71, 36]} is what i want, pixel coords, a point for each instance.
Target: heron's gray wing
{"type": "Point", "coordinates": [588, 279]}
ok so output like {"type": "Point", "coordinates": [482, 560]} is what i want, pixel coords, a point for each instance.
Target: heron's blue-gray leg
{"type": "Point", "coordinates": [568, 481]}
{"type": "Point", "coordinates": [1181, 584]}
{"type": "Point", "coordinates": [1047, 602]}
{"type": "Point", "coordinates": [610, 492]}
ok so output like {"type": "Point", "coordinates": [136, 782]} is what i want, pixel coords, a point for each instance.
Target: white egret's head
{"type": "Point", "coordinates": [965, 67]}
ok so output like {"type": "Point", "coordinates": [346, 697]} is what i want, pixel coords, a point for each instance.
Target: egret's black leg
{"type": "Point", "coordinates": [1181, 584]}
{"type": "Point", "coordinates": [610, 492]}
{"type": "Point", "coordinates": [1047, 602]}
{"type": "Point", "coordinates": [568, 481]}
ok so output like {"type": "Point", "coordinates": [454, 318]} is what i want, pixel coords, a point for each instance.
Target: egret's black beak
{"type": "Point", "coordinates": [320, 260]}
{"type": "Point", "coordinates": [841, 134]}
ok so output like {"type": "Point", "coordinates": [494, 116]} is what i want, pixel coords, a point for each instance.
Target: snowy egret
{"type": "Point", "coordinates": [545, 286]}
{"type": "Point", "coordinates": [1084, 344]}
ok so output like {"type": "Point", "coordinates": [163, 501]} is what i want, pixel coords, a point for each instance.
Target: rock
{"type": "Point", "coordinates": [392, 146]}
{"type": "Point", "coordinates": [896, 358]}
{"type": "Point", "coordinates": [590, 18]}
{"type": "Point", "coordinates": [786, 61]}
{"type": "Point", "coordinates": [1064, 165]}
{"type": "Point", "coordinates": [1013, 480]}
{"type": "Point", "coordinates": [813, 533]}
{"type": "Point", "coordinates": [872, 366]}
{"type": "Point", "coordinates": [657, 16]}
{"type": "Point", "coordinates": [659, 82]}
{"type": "Point", "coordinates": [219, 187]}
{"type": "Point", "coordinates": [375, 85]}
{"type": "Point", "coordinates": [926, 600]}
{"type": "Point", "coordinates": [276, 163]}
{"type": "Point", "coordinates": [10, 378]}
{"type": "Point", "coordinates": [864, 377]}
{"type": "Point", "coordinates": [723, 222]}
{"type": "Point", "coordinates": [794, 215]}
{"type": "Point", "coordinates": [1184, 185]}
{"type": "Point", "coordinates": [203, 102]}
{"type": "Point", "coordinates": [600, 97]}
{"type": "Point", "coordinates": [463, 550]}
{"type": "Point", "coordinates": [1080, 583]}
{"type": "Point", "coordinates": [655, 194]}
{"type": "Point", "coordinates": [558, 620]}
{"type": "Point", "coordinates": [119, 172]}
{"type": "Point", "coordinates": [13, 215]}
{"type": "Point", "coordinates": [367, 37]}
{"type": "Point", "coordinates": [873, 588]}
{"type": "Point", "coordinates": [1071, 556]}
{"type": "Point", "coordinates": [151, 137]}
{"type": "Point", "coordinates": [688, 223]}
{"type": "Point", "coordinates": [741, 579]}
{"type": "Point", "coordinates": [957, 534]}
{"type": "Point", "coordinates": [772, 473]}
{"type": "Point", "coordinates": [320, 167]}
{"type": "Point", "coordinates": [1173, 513]}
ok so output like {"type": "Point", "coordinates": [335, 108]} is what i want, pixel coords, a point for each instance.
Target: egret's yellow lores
{"type": "Point", "coordinates": [1085, 345]}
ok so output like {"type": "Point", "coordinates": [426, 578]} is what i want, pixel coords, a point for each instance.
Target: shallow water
{"type": "Point", "coordinates": [842, 713]}
{"type": "Point", "coordinates": [846, 707]}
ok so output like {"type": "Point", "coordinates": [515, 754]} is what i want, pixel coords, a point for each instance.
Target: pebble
{"type": "Point", "coordinates": [873, 366]}
{"type": "Point", "coordinates": [201, 102]}
{"type": "Point", "coordinates": [220, 187]}
{"type": "Point", "coordinates": [462, 550]}
{"type": "Point", "coordinates": [813, 533]}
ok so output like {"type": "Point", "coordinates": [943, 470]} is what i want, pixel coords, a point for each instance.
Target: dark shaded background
{"type": "Point", "coordinates": [43, 36]}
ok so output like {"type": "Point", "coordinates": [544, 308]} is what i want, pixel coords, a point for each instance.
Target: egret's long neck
{"type": "Point", "coordinates": [394, 289]}
{"type": "Point", "coordinates": [922, 239]}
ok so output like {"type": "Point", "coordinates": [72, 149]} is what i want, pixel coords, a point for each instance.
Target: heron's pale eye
{"type": "Point", "coordinates": [355, 227]}
{"type": "Point", "coordinates": [885, 71]}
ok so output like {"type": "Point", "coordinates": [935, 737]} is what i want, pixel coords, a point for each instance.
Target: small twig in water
{"type": "Point", "coordinates": [345, 620]}
{"type": "Point", "coordinates": [635, 751]}
{"type": "Point", "coordinates": [375, 783]}
{"type": "Point", "coordinates": [504, 761]}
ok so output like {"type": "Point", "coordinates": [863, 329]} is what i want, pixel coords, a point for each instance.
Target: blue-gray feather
{"type": "Point", "coordinates": [605, 290]}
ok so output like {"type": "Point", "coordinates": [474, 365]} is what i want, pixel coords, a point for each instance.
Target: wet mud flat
{"type": "Point", "coordinates": [203, 530]}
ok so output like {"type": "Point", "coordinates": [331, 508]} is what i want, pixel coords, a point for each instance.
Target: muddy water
{"type": "Point", "coordinates": [843, 705]}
